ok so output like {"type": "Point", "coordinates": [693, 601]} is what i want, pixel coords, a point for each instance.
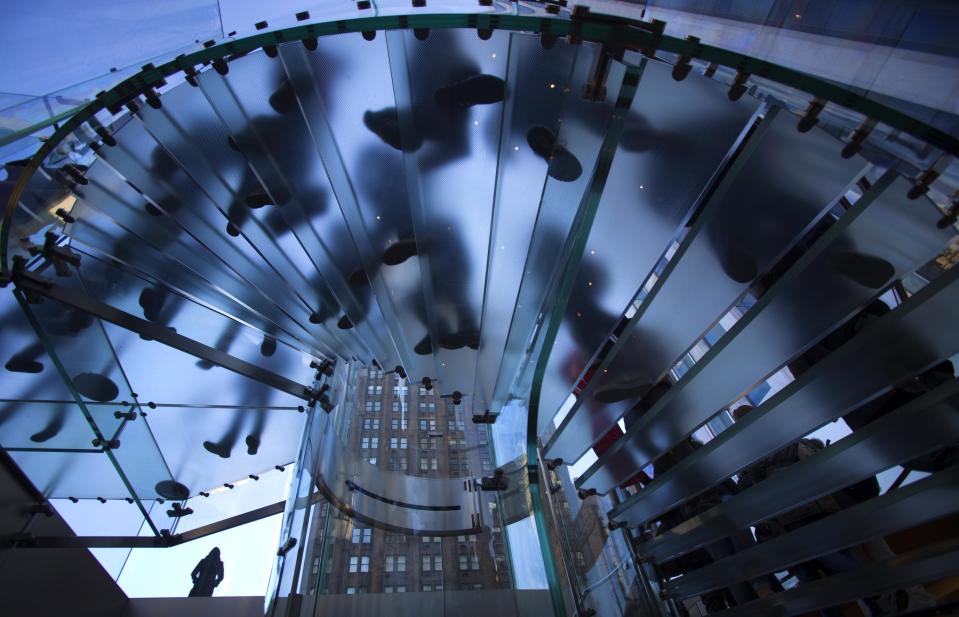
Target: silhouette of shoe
{"type": "Point", "coordinates": [476, 90]}
{"type": "Point", "coordinates": [344, 323]}
{"type": "Point", "coordinates": [48, 433]}
{"type": "Point", "coordinates": [283, 100]}
{"type": "Point", "coordinates": [460, 340]}
{"type": "Point", "coordinates": [252, 444]}
{"type": "Point", "coordinates": [738, 265]}
{"type": "Point", "coordinates": [204, 364]}
{"type": "Point", "coordinates": [23, 365]}
{"type": "Point", "coordinates": [171, 489]}
{"type": "Point", "coordinates": [399, 252]}
{"type": "Point", "coordinates": [151, 301]}
{"type": "Point", "coordinates": [268, 346]}
{"type": "Point", "coordinates": [424, 347]}
{"type": "Point", "coordinates": [357, 277]}
{"type": "Point", "coordinates": [385, 124]}
{"type": "Point", "coordinates": [563, 165]}
{"type": "Point", "coordinates": [617, 391]}
{"type": "Point", "coordinates": [232, 229]}
{"type": "Point", "coordinates": [257, 199]}
{"type": "Point", "coordinates": [96, 387]}
{"type": "Point", "coordinates": [865, 270]}
{"type": "Point", "coordinates": [216, 448]}
{"type": "Point", "coordinates": [152, 210]}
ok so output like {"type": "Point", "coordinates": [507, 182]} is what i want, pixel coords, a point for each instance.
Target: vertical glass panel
{"type": "Point", "coordinates": [223, 502]}
{"type": "Point", "coordinates": [520, 178]}
{"type": "Point", "coordinates": [351, 157]}
{"type": "Point", "coordinates": [675, 138]}
{"type": "Point", "coordinates": [208, 447]}
{"type": "Point", "coordinates": [71, 474]}
{"type": "Point", "coordinates": [579, 134]}
{"type": "Point", "coordinates": [27, 373]}
{"type": "Point", "coordinates": [785, 186]}
{"type": "Point", "coordinates": [454, 115]}
{"type": "Point", "coordinates": [258, 104]}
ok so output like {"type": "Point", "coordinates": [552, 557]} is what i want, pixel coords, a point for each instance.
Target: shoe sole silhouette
{"type": "Point", "coordinates": [16, 365]}
{"type": "Point", "coordinates": [399, 252]}
{"type": "Point", "coordinates": [252, 445]}
{"type": "Point", "coordinates": [385, 124]}
{"type": "Point", "coordinates": [477, 90]}
{"type": "Point", "coordinates": [214, 448]}
{"type": "Point", "coordinates": [96, 387]}
{"type": "Point", "coordinates": [866, 270]}
{"type": "Point", "coordinates": [562, 164]}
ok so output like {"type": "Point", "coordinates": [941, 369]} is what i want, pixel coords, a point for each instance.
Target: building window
{"type": "Point", "coordinates": [427, 443]}
{"type": "Point", "coordinates": [401, 589]}
{"type": "Point", "coordinates": [371, 460]}
{"type": "Point", "coordinates": [474, 562]}
{"type": "Point", "coordinates": [365, 563]}
{"type": "Point", "coordinates": [427, 588]}
{"type": "Point", "coordinates": [376, 390]}
{"type": "Point", "coordinates": [399, 424]}
{"type": "Point", "coordinates": [401, 390]}
{"type": "Point", "coordinates": [427, 425]}
{"type": "Point", "coordinates": [362, 535]}
{"type": "Point", "coordinates": [389, 564]}
{"type": "Point", "coordinates": [350, 591]}
{"type": "Point", "coordinates": [354, 563]}
{"type": "Point", "coordinates": [398, 463]}
{"type": "Point", "coordinates": [401, 564]}
{"type": "Point", "coordinates": [387, 589]}
{"type": "Point", "coordinates": [438, 563]}
{"type": "Point", "coordinates": [463, 563]}
{"type": "Point", "coordinates": [426, 563]}
{"type": "Point", "coordinates": [398, 443]}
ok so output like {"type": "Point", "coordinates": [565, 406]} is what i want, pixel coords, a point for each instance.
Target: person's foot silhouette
{"type": "Point", "coordinates": [424, 347]}
{"type": "Point", "coordinates": [476, 90]}
{"type": "Point", "coordinates": [204, 364]}
{"type": "Point", "coordinates": [344, 323]}
{"type": "Point", "coordinates": [96, 387]}
{"type": "Point", "coordinates": [400, 251]}
{"type": "Point", "coordinates": [268, 346]}
{"type": "Point", "coordinates": [216, 448]}
{"type": "Point", "coordinates": [49, 432]}
{"type": "Point", "coordinates": [257, 199]}
{"type": "Point", "coordinates": [385, 124]}
{"type": "Point", "coordinates": [151, 301]}
{"type": "Point", "coordinates": [738, 265]}
{"type": "Point", "coordinates": [865, 270]}
{"type": "Point", "coordinates": [563, 165]}
{"type": "Point", "coordinates": [252, 444]}
{"type": "Point", "coordinates": [459, 340]}
{"type": "Point", "coordinates": [18, 364]}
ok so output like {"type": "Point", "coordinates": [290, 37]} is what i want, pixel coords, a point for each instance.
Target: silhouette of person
{"type": "Point", "coordinates": [207, 574]}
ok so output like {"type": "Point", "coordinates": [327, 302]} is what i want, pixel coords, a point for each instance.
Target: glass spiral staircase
{"type": "Point", "coordinates": [583, 238]}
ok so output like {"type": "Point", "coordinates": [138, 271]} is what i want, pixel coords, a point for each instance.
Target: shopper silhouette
{"type": "Point", "coordinates": [207, 574]}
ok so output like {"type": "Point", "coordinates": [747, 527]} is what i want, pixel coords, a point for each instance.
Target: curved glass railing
{"type": "Point", "coordinates": [598, 237]}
